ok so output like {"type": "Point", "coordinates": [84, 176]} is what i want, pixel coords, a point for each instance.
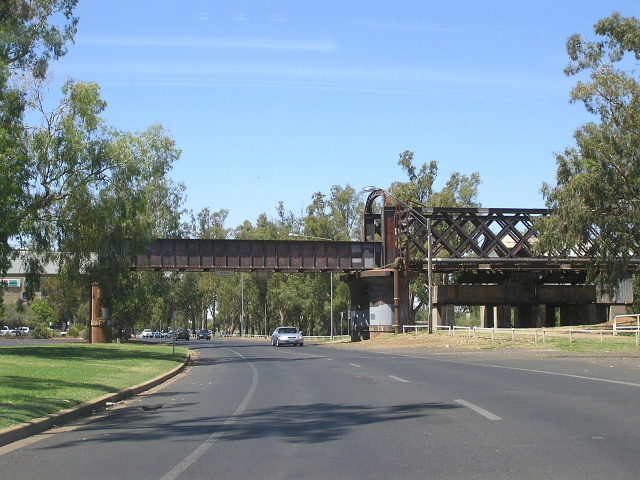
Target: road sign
{"type": "Point", "coordinates": [225, 273]}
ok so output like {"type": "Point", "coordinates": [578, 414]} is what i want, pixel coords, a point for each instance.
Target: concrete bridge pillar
{"type": "Point", "coordinates": [616, 310]}
{"type": "Point", "coordinates": [495, 316]}
{"type": "Point", "coordinates": [372, 299]}
{"type": "Point", "coordinates": [443, 315]}
{"type": "Point", "coordinates": [502, 316]}
{"type": "Point", "coordinates": [584, 314]}
{"type": "Point", "coordinates": [523, 316]}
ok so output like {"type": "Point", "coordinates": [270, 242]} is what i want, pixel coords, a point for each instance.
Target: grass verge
{"type": "Point", "coordinates": [38, 380]}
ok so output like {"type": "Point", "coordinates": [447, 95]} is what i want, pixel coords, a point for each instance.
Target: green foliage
{"type": "Point", "coordinates": [459, 191]}
{"type": "Point", "coordinates": [28, 39]}
{"type": "Point", "coordinates": [42, 331]}
{"type": "Point", "coordinates": [77, 331]}
{"type": "Point", "coordinates": [596, 202]}
{"type": "Point", "coordinates": [43, 312]}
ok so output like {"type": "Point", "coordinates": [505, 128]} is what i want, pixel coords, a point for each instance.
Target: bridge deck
{"type": "Point", "coordinates": [202, 255]}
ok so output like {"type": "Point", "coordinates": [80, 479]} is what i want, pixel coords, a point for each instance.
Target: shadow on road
{"type": "Point", "coordinates": [312, 423]}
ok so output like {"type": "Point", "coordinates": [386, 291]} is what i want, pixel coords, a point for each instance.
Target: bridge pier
{"type": "Point", "coordinates": [526, 305]}
{"type": "Point", "coordinates": [495, 316]}
{"type": "Point", "coordinates": [444, 315]}
{"type": "Point", "coordinates": [372, 303]}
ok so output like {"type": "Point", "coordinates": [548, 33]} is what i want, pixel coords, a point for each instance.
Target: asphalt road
{"type": "Point", "coordinates": [246, 410]}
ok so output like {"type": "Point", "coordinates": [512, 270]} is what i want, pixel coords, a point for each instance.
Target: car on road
{"type": "Point", "coordinates": [203, 335]}
{"type": "Point", "coordinates": [146, 333]}
{"type": "Point", "coordinates": [157, 334]}
{"type": "Point", "coordinates": [182, 334]}
{"type": "Point", "coordinates": [287, 336]}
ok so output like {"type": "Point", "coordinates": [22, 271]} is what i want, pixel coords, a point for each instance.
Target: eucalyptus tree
{"type": "Point", "coordinates": [32, 33]}
{"type": "Point", "coordinates": [596, 201]}
{"type": "Point", "coordinates": [460, 190]}
{"type": "Point", "coordinates": [206, 224]}
{"type": "Point", "coordinates": [337, 217]}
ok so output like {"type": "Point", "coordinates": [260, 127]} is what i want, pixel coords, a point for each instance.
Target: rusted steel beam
{"type": "Point", "coordinates": [201, 255]}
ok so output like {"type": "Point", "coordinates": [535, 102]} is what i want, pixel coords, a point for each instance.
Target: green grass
{"type": "Point", "coordinates": [564, 342]}
{"type": "Point", "coordinates": [37, 380]}
{"type": "Point", "coordinates": [619, 343]}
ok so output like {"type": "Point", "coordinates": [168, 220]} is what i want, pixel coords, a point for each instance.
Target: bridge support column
{"type": "Point", "coordinates": [502, 316]}
{"type": "Point", "coordinates": [495, 316]}
{"type": "Point", "coordinates": [523, 316]}
{"type": "Point", "coordinates": [616, 310]}
{"type": "Point", "coordinates": [443, 315]}
{"type": "Point", "coordinates": [372, 299]}
{"type": "Point", "coordinates": [577, 315]}
{"type": "Point", "coordinates": [486, 316]}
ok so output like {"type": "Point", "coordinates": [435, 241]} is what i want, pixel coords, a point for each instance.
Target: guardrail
{"type": "Point", "coordinates": [626, 327]}
{"type": "Point", "coordinates": [537, 334]}
{"type": "Point", "coordinates": [414, 327]}
{"type": "Point", "coordinates": [543, 334]}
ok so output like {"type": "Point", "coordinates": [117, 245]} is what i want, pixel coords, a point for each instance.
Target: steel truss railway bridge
{"type": "Point", "coordinates": [466, 257]}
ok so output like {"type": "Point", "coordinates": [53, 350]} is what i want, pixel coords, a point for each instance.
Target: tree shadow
{"type": "Point", "coordinates": [312, 423]}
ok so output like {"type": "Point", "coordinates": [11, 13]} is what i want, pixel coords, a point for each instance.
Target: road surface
{"type": "Point", "coordinates": [247, 410]}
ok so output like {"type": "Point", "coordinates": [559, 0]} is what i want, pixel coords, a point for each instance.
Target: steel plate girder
{"type": "Point", "coordinates": [253, 255]}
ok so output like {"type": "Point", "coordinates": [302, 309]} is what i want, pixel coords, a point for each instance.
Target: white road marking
{"type": "Point", "coordinates": [355, 365]}
{"type": "Point", "coordinates": [393, 377]}
{"type": "Point", "coordinates": [477, 409]}
{"type": "Point", "coordinates": [520, 369]}
{"type": "Point", "coordinates": [208, 443]}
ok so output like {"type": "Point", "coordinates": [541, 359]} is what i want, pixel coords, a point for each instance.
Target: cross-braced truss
{"type": "Point", "coordinates": [481, 244]}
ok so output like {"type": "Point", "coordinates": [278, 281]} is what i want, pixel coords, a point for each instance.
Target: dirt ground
{"type": "Point", "coordinates": [426, 341]}
{"type": "Point", "coordinates": [443, 342]}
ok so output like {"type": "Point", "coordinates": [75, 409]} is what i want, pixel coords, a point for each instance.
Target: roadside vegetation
{"type": "Point", "coordinates": [38, 380]}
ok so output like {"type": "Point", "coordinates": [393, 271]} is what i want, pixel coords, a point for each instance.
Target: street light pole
{"type": "Point", "coordinates": [331, 273]}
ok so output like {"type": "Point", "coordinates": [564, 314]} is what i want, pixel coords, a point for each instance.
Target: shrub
{"type": "Point", "coordinates": [42, 331]}
{"type": "Point", "coordinates": [76, 331]}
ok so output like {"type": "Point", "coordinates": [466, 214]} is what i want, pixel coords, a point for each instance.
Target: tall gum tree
{"type": "Point", "coordinates": [596, 201]}
{"type": "Point", "coordinates": [32, 33]}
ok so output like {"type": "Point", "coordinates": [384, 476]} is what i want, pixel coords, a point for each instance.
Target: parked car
{"type": "Point", "coordinates": [146, 333]}
{"type": "Point", "coordinates": [204, 335]}
{"type": "Point", "coordinates": [182, 334]}
{"type": "Point", "coordinates": [5, 330]}
{"type": "Point", "coordinates": [287, 336]}
{"type": "Point", "coordinates": [24, 330]}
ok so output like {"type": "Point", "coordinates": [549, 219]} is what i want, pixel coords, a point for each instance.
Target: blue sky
{"type": "Point", "coordinates": [275, 100]}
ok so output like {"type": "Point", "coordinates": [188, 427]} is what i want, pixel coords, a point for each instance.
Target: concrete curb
{"type": "Point", "coordinates": [39, 425]}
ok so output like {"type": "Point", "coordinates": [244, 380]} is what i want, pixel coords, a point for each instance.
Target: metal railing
{"type": "Point", "coordinates": [415, 328]}
{"type": "Point", "coordinates": [628, 326]}
{"type": "Point", "coordinates": [537, 334]}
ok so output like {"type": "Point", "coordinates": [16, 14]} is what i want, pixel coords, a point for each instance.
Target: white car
{"type": "Point", "coordinates": [286, 336]}
{"type": "Point", "coordinates": [146, 333]}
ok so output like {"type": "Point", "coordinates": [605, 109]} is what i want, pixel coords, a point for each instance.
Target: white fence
{"type": "Point", "coordinates": [620, 325]}
{"type": "Point", "coordinates": [537, 334]}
